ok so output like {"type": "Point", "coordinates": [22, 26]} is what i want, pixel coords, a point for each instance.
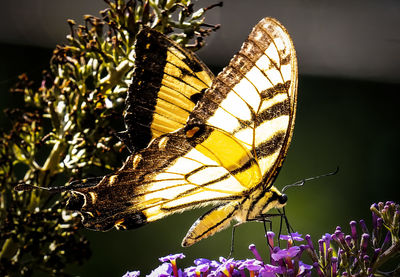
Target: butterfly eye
{"type": "Point", "coordinates": [283, 199]}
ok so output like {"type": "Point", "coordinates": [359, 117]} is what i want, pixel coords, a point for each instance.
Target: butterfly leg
{"type": "Point", "coordinates": [264, 221]}
{"type": "Point", "coordinates": [267, 218]}
{"type": "Point", "coordinates": [233, 239]}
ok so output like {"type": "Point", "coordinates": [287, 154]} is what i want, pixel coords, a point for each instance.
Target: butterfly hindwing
{"type": "Point", "coordinates": [183, 175]}
{"type": "Point", "coordinates": [225, 150]}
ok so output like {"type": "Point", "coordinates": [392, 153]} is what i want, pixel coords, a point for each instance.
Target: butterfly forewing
{"type": "Point", "coordinates": [254, 97]}
{"type": "Point", "coordinates": [167, 83]}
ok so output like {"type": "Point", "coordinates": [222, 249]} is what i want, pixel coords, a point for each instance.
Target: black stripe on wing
{"type": "Point", "coordinates": [167, 83]}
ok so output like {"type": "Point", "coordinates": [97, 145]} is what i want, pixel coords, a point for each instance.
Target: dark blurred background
{"type": "Point", "coordinates": [348, 115]}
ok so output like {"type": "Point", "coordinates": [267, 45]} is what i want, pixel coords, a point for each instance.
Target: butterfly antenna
{"type": "Point", "coordinates": [28, 187]}
{"type": "Point", "coordinates": [89, 182]}
{"type": "Point", "coordinates": [301, 182]}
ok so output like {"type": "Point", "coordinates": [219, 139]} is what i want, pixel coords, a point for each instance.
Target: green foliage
{"type": "Point", "coordinates": [65, 129]}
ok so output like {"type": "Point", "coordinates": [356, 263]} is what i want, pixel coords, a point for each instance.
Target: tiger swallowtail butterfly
{"type": "Point", "coordinates": [197, 139]}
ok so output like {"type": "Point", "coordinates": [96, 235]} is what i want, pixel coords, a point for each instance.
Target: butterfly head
{"type": "Point", "coordinates": [278, 199]}
{"type": "Point", "coordinates": [282, 199]}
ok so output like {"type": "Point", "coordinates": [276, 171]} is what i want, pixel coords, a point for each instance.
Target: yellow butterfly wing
{"type": "Point", "coordinates": [227, 153]}
{"type": "Point", "coordinates": [167, 83]}
{"type": "Point", "coordinates": [256, 104]}
{"type": "Point", "coordinates": [254, 97]}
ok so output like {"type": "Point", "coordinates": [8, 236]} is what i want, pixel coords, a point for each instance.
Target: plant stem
{"type": "Point", "coordinates": [385, 256]}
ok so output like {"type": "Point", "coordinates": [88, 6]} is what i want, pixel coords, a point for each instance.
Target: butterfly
{"type": "Point", "coordinates": [197, 139]}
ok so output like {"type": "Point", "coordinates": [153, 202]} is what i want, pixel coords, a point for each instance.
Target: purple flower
{"type": "Point", "coordinates": [374, 216]}
{"type": "Point", "coordinates": [334, 262]}
{"type": "Point", "coordinates": [363, 226]}
{"type": "Point", "coordinates": [321, 246]}
{"type": "Point", "coordinates": [348, 241]}
{"type": "Point", "coordinates": [253, 249]}
{"type": "Point", "coordinates": [379, 223]}
{"type": "Point", "coordinates": [304, 266]}
{"type": "Point", "coordinates": [327, 238]}
{"type": "Point", "coordinates": [132, 274]}
{"type": "Point", "coordinates": [190, 271]}
{"type": "Point", "coordinates": [290, 238]}
{"type": "Point", "coordinates": [285, 253]}
{"type": "Point", "coordinates": [171, 257]}
{"type": "Point", "coordinates": [293, 236]}
{"type": "Point", "coordinates": [338, 234]}
{"type": "Point", "coordinates": [309, 242]}
{"type": "Point", "coordinates": [202, 267]}
{"type": "Point", "coordinates": [163, 270]}
{"type": "Point", "coordinates": [215, 264]}
{"type": "Point", "coordinates": [353, 230]}
{"type": "Point", "coordinates": [202, 261]}
{"type": "Point", "coordinates": [352, 251]}
{"type": "Point", "coordinates": [270, 237]}
{"type": "Point", "coordinates": [226, 267]}
{"type": "Point", "coordinates": [196, 270]}
{"type": "Point", "coordinates": [269, 271]}
{"type": "Point", "coordinates": [251, 265]}
{"type": "Point", "coordinates": [364, 243]}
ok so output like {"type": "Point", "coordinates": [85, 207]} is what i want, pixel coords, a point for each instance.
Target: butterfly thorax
{"type": "Point", "coordinates": [262, 201]}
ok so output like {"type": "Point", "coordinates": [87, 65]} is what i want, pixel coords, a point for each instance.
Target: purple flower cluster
{"type": "Point", "coordinates": [282, 261]}
{"type": "Point", "coordinates": [361, 253]}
